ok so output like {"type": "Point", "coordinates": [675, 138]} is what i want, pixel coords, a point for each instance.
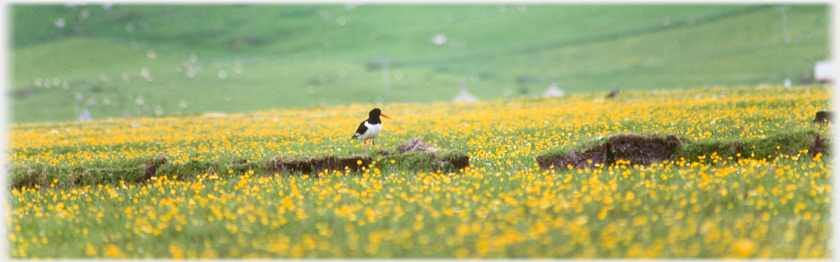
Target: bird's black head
{"type": "Point", "coordinates": [375, 113]}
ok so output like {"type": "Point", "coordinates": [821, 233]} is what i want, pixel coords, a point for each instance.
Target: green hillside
{"type": "Point", "coordinates": [141, 60]}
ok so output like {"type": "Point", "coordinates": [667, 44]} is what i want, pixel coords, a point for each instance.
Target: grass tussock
{"type": "Point", "coordinates": [649, 149]}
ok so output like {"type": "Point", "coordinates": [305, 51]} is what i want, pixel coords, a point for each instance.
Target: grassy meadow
{"type": "Point", "coordinates": [192, 107]}
{"type": "Point", "coordinates": [703, 203]}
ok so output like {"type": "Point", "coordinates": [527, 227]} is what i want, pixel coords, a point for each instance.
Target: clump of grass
{"type": "Point", "coordinates": [39, 175]}
{"type": "Point", "coordinates": [790, 143]}
{"type": "Point", "coordinates": [645, 150]}
{"type": "Point", "coordinates": [447, 161]}
{"type": "Point", "coordinates": [143, 169]}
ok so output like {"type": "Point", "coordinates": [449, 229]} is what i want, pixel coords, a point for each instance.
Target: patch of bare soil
{"type": "Point", "coordinates": [413, 155]}
{"type": "Point", "coordinates": [818, 146]}
{"type": "Point", "coordinates": [453, 162]}
{"type": "Point", "coordinates": [637, 149]}
{"type": "Point", "coordinates": [150, 168]}
{"type": "Point", "coordinates": [823, 117]}
{"type": "Point", "coordinates": [317, 165]}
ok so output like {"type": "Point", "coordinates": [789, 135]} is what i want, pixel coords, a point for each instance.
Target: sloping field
{"type": "Point", "coordinates": [770, 198]}
{"type": "Point", "coordinates": [175, 60]}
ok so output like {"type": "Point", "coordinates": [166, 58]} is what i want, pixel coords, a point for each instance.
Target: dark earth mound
{"type": "Point", "coordinates": [150, 168]}
{"type": "Point", "coordinates": [823, 117]}
{"type": "Point", "coordinates": [637, 149]}
{"type": "Point", "coordinates": [317, 165]}
{"type": "Point", "coordinates": [646, 150]}
{"type": "Point", "coordinates": [413, 155]}
{"type": "Point", "coordinates": [453, 162]}
{"type": "Point", "coordinates": [818, 146]}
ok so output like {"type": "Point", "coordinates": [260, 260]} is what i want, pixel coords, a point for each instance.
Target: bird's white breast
{"type": "Point", "coordinates": [372, 131]}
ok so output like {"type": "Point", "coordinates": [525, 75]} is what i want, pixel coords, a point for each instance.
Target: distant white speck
{"type": "Point", "coordinates": [341, 21]}
{"type": "Point", "coordinates": [59, 23]}
{"type": "Point", "coordinates": [324, 14]}
{"type": "Point", "coordinates": [439, 39]}
{"type": "Point", "coordinates": [222, 74]}
{"type": "Point", "coordinates": [84, 116]}
{"type": "Point", "coordinates": [139, 100]}
{"type": "Point", "coordinates": [464, 96]}
{"type": "Point", "coordinates": [145, 73]}
{"type": "Point", "coordinates": [553, 91]}
{"type": "Point", "coordinates": [351, 6]}
{"type": "Point", "coordinates": [237, 67]}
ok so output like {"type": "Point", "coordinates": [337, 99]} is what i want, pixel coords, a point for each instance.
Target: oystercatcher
{"type": "Point", "coordinates": [370, 128]}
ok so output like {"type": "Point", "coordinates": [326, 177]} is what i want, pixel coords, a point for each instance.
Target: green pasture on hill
{"type": "Point", "coordinates": [128, 60]}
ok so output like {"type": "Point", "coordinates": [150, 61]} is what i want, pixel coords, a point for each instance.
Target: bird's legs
{"type": "Point", "coordinates": [372, 142]}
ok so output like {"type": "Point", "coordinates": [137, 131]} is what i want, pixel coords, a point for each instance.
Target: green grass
{"type": "Point", "coordinates": [254, 57]}
{"type": "Point", "coordinates": [141, 170]}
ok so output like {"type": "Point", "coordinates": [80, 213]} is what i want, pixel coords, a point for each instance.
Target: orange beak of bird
{"type": "Point", "coordinates": [381, 114]}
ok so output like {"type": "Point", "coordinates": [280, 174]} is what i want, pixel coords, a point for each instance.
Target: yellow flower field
{"type": "Point", "coordinates": [503, 206]}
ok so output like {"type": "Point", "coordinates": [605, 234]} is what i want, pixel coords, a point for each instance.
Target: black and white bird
{"type": "Point", "coordinates": [613, 93]}
{"type": "Point", "coordinates": [370, 128]}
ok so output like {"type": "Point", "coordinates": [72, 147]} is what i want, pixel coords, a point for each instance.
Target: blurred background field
{"type": "Point", "coordinates": [122, 60]}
